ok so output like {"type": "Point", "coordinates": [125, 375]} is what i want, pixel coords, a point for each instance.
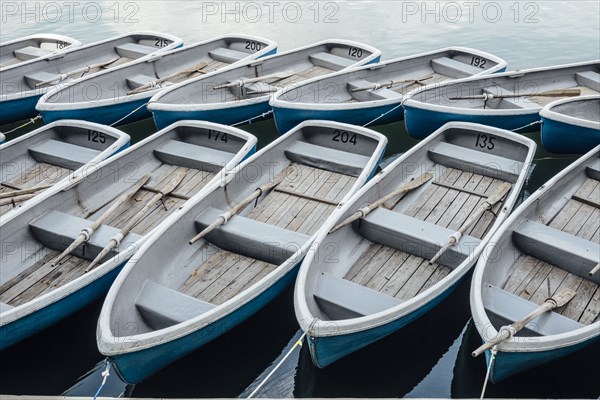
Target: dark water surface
{"type": "Point", "coordinates": [431, 357]}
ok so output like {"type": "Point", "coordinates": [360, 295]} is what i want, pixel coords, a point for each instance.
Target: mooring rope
{"type": "Point", "coordinates": [105, 375]}
{"type": "Point", "coordinates": [130, 114]}
{"type": "Point", "coordinates": [384, 114]}
{"type": "Point", "coordinates": [249, 121]}
{"type": "Point", "coordinates": [526, 126]}
{"type": "Point", "coordinates": [31, 121]}
{"type": "Point", "coordinates": [493, 353]}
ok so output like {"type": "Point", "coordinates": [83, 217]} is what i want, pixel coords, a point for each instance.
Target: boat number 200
{"type": "Point", "coordinates": [95, 136]}
{"type": "Point", "coordinates": [485, 142]}
{"type": "Point", "coordinates": [250, 45]}
{"type": "Point", "coordinates": [344, 137]}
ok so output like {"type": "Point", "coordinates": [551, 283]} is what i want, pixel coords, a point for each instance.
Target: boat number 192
{"type": "Point", "coordinates": [95, 136]}
{"type": "Point", "coordinates": [344, 137]}
{"type": "Point", "coordinates": [485, 142]}
{"type": "Point", "coordinates": [354, 52]}
{"type": "Point", "coordinates": [478, 62]}
{"type": "Point", "coordinates": [216, 136]}
{"type": "Point", "coordinates": [250, 45]}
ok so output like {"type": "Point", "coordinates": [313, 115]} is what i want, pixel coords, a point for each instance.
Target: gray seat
{"type": "Point", "coordinates": [57, 230]}
{"type": "Point", "coordinates": [569, 252]}
{"type": "Point", "coordinates": [162, 307]}
{"type": "Point", "coordinates": [252, 238]}
{"type": "Point", "coordinates": [62, 154]}
{"type": "Point", "coordinates": [590, 79]}
{"type": "Point", "coordinates": [454, 69]}
{"type": "Point", "coordinates": [593, 170]}
{"type": "Point", "coordinates": [327, 158]}
{"type": "Point", "coordinates": [512, 308]}
{"type": "Point", "coordinates": [176, 152]}
{"type": "Point", "coordinates": [30, 53]}
{"type": "Point", "coordinates": [475, 161]}
{"type": "Point", "coordinates": [134, 50]}
{"type": "Point", "coordinates": [227, 55]}
{"type": "Point", "coordinates": [414, 236]}
{"type": "Point", "coordinates": [509, 103]}
{"type": "Point", "coordinates": [36, 77]}
{"type": "Point", "coordinates": [5, 307]}
{"type": "Point", "coordinates": [341, 299]}
{"type": "Point", "coordinates": [330, 61]}
{"type": "Point", "coordinates": [138, 80]}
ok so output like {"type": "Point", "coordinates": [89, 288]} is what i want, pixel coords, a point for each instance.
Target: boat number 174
{"type": "Point", "coordinates": [485, 142]}
{"type": "Point", "coordinates": [216, 136]}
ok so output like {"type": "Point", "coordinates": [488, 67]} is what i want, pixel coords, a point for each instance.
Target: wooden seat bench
{"type": "Point", "coordinates": [452, 68]}
{"type": "Point", "coordinates": [225, 55]}
{"type": "Point", "coordinates": [134, 50]}
{"type": "Point", "coordinates": [30, 53]}
{"type": "Point", "coordinates": [330, 61]}
{"type": "Point", "coordinates": [62, 154]}
{"type": "Point", "coordinates": [176, 152]}
{"type": "Point", "coordinates": [326, 158]}
{"type": "Point", "coordinates": [590, 79]}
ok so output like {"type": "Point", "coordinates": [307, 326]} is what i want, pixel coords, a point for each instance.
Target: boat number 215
{"type": "Point", "coordinates": [485, 142]}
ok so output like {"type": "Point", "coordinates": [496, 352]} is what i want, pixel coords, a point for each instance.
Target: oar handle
{"type": "Point", "coordinates": [595, 269]}
{"type": "Point", "coordinates": [153, 84]}
{"type": "Point", "coordinates": [62, 77]}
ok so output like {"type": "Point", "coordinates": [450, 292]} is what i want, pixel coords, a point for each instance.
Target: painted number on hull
{"type": "Point", "coordinates": [478, 62]}
{"type": "Point", "coordinates": [354, 52]}
{"type": "Point", "coordinates": [216, 136]}
{"type": "Point", "coordinates": [61, 45]}
{"type": "Point", "coordinates": [344, 137]}
{"type": "Point", "coordinates": [485, 142]}
{"type": "Point", "coordinates": [161, 42]}
{"type": "Point", "coordinates": [250, 45]}
{"type": "Point", "coordinates": [95, 136]}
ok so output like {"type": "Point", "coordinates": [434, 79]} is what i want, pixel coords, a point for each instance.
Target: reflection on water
{"type": "Point", "coordinates": [430, 357]}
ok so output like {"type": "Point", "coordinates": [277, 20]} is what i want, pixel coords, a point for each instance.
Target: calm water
{"type": "Point", "coordinates": [431, 358]}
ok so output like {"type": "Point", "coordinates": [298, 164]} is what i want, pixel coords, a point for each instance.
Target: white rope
{"type": "Point", "coordinates": [31, 121]}
{"type": "Point", "coordinates": [130, 114]}
{"type": "Point", "coordinates": [384, 114]}
{"type": "Point", "coordinates": [489, 369]}
{"type": "Point", "coordinates": [105, 375]}
{"type": "Point", "coordinates": [526, 126]}
{"type": "Point", "coordinates": [298, 343]}
{"type": "Point", "coordinates": [249, 121]}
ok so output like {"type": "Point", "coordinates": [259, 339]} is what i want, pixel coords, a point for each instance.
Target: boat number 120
{"type": "Point", "coordinates": [344, 137]}
{"type": "Point", "coordinates": [95, 136]}
{"type": "Point", "coordinates": [216, 136]}
{"type": "Point", "coordinates": [485, 142]}
{"type": "Point", "coordinates": [354, 52]}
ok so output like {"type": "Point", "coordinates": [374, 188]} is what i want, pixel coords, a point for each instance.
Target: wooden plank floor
{"type": "Point", "coordinates": [42, 277]}
{"type": "Point", "coordinates": [39, 174]}
{"type": "Point", "coordinates": [226, 274]}
{"type": "Point", "coordinates": [404, 276]}
{"type": "Point", "coordinates": [535, 280]}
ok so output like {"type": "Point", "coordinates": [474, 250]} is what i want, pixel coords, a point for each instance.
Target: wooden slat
{"type": "Point", "coordinates": [368, 270]}
{"type": "Point", "coordinates": [592, 310]}
{"type": "Point", "coordinates": [208, 271]}
{"type": "Point", "coordinates": [365, 258]}
{"type": "Point", "coordinates": [395, 268]}
{"type": "Point", "coordinates": [239, 283]}
{"type": "Point", "coordinates": [215, 286]}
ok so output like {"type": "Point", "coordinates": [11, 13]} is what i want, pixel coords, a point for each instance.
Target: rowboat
{"type": "Point", "coordinates": [110, 211]}
{"type": "Point", "coordinates": [510, 100]}
{"type": "Point", "coordinates": [241, 94]}
{"type": "Point", "coordinates": [550, 252]}
{"type": "Point", "coordinates": [408, 238]}
{"type": "Point", "coordinates": [2, 138]}
{"type": "Point", "coordinates": [248, 249]}
{"type": "Point", "coordinates": [23, 85]}
{"type": "Point", "coordinates": [33, 47]}
{"type": "Point", "coordinates": [374, 93]}
{"type": "Point", "coordinates": [571, 125]}
{"type": "Point", "coordinates": [128, 88]}
{"type": "Point", "coordinates": [53, 155]}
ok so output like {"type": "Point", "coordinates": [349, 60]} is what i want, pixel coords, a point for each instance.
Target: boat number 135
{"type": "Point", "coordinates": [485, 142]}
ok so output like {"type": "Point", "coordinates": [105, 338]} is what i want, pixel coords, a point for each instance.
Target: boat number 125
{"type": "Point", "coordinates": [95, 136]}
{"type": "Point", "coordinates": [485, 142]}
{"type": "Point", "coordinates": [344, 137]}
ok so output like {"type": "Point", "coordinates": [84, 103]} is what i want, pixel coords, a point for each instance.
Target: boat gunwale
{"type": "Point", "coordinates": [548, 113]}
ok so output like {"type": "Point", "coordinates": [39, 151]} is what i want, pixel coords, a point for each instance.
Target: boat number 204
{"type": "Point", "coordinates": [344, 137]}
{"type": "Point", "coordinates": [95, 136]}
{"type": "Point", "coordinates": [485, 142]}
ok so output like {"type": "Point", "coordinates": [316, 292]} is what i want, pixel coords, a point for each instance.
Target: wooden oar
{"type": "Point", "coordinates": [487, 205]}
{"type": "Point", "coordinates": [363, 212]}
{"type": "Point", "coordinates": [116, 240]}
{"type": "Point", "coordinates": [86, 233]}
{"type": "Point", "coordinates": [595, 269]}
{"type": "Point", "coordinates": [154, 84]}
{"type": "Point", "coordinates": [506, 332]}
{"type": "Point", "coordinates": [83, 70]}
{"type": "Point", "coordinates": [224, 218]}
{"type": "Point", "coordinates": [549, 93]}
{"type": "Point", "coordinates": [21, 192]}
{"type": "Point", "coordinates": [242, 82]}
{"type": "Point", "coordinates": [17, 199]}
{"type": "Point", "coordinates": [390, 84]}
